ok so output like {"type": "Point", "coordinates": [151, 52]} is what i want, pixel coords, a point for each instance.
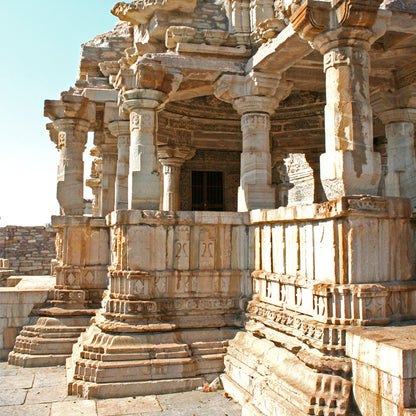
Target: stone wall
{"type": "Point", "coordinates": [29, 249]}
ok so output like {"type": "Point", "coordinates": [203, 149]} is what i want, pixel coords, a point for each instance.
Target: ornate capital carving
{"type": "Point", "coordinates": [137, 99]}
{"type": "Point", "coordinates": [311, 19]}
{"type": "Point", "coordinates": [254, 92]}
{"type": "Point", "coordinates": [147, 74]}
{"type": "Point", "coordinates": [346, 55]}
{"type": "Point", "coordinates": [395, 106]}
{"type": "Point", "coordinates": [315, 17]}
{"type": "Point", "coordinates": [70, 107]}
{"type": "Point", "coordinates": [174, 154]}
{"type": "Point", "coordinates": [119, 128]}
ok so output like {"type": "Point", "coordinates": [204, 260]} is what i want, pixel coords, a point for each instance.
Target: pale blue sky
{"type": "Point", "coordinates": [40, 47]}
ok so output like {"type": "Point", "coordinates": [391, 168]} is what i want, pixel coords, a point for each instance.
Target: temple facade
{"type": "Point", "coordinates": [254, 190]}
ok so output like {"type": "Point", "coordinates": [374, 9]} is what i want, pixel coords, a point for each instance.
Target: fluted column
{"type": "Point", "coordinates": [397, 111]}
{"type": "Point", "coordinates": [121, 130]}
{"type": "Point", "coordinates": [172, 157]}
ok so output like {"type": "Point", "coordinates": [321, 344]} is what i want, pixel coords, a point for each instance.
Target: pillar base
{"type": "Point", "coordinates": [350, 173]}
{"type": "Point", "coordinates": [256, 197]}
{"type": "Point", "coordinates": [107, 363]}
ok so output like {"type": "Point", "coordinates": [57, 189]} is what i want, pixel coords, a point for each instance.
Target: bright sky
{"type": "Point", "coordinates": [40, 48]}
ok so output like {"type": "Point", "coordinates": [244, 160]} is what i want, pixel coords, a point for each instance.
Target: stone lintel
{"type": "Point", "coordinates": [101, 95]}
{"type": "Point", "coordinates": [373, 206]}
{"type": "Point", "coordinates": [62, 221]}
{"type": "Point", "coordinates": [280, 53]}
{"type": "Point", "coordinates": [135, 217]}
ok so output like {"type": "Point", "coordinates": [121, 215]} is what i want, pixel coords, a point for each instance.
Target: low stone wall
{"type": "Point", "coordinates": [28, 249]}
{"type": "Point", "coordinates": [16, 304]}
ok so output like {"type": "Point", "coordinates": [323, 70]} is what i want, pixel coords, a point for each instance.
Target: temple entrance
{"type": "Point", "coordinates": [207, 191]}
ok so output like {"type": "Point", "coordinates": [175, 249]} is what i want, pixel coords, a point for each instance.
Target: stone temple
{"type": "Point", "coordinates": [254, 189]}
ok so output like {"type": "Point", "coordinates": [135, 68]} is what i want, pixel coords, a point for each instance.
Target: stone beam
{"type": "Point", "coordinates": [402, 22]}
{"type": "Point", "coordinates": [281, 53]}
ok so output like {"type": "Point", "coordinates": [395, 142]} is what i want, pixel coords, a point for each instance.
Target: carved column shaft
{"type": "Point", "coordinates": [72, 139]}
{"type": "Point", "coordinates": [109, 169]}
{"type": "Point", "coordinates": [349, 166]}
{"type": "Point", "coordinates": [144, 182]}
{"type": "Point", "coordinates": [256, 157]}
{"type": "Point", "coordinates": [240, 19]}
{"type": "Point", "coordinates": [122, 178]}
{"type": "Point", "coordinates": [401, 160]}
{"type": "Point", "coordinates": [171, 176]}
{"type": "Point", "coordinates": [260, 10]}
{"type": "Point", "coordinates": [172, 157]}
{"type": "Point", "coordinates": [397, 111]}
{"type": "Point", "coordinates": [255, 189]}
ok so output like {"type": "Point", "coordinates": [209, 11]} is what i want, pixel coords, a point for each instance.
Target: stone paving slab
{"type": "Point", "coordinates": [43, 392]}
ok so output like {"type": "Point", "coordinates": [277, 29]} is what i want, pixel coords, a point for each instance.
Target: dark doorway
{"type": "Point", "coordinates": [207, 191]}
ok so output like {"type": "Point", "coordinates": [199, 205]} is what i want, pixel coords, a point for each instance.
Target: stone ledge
{"type": "Point", "coordinates": [363, 205]}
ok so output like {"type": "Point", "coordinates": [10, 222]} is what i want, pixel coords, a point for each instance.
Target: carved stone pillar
{"type": "Point", "coordinates": [94, 182]}
{"type": "Point", "coordinates": [349, 166]}
{"type": "Point", "coordinates": [121, 130]}
{"type": "Point", "coordinates": [344, 35]}
{"type": "Point", "coordinates": [172, 158]}
{"type": "Point", "coordinates": [256, 190]}
{"type": "Point", "coordinates": [72, 139]}
{"type": "Point", "coordinates": [255, 97]}
{"type": "Point", "coordinates": [109, 168]}
{"type": "Point", "coordinates": [318, 192]}
{"type": "Point", "coordinates": [71, 117]}
{"type": "Point", "coordinates": [144, 181]}
{"type": "Point", "coordinates": [397, 111]}
{"type": "Point", "coordinates": [240, 20]}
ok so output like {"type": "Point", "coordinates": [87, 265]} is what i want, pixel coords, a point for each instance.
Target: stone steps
{"type": "Point", "coordinates": [48, 340]}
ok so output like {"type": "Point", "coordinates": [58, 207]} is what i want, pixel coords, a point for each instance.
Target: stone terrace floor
{"type": "Point", "coordinates": [43, 392]}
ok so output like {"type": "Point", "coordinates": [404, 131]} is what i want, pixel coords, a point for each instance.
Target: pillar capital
{"type": "Point", "coordinates": [313, 18]}
{"type": "Point", "coordinates": [174, 154]}
{"type": "Point", "coordinates": [148, 75]}
{"type": "Point", "coordinates": [119, 128]}
{"type": "Point", "coordinates": [70, 107]}
{"type": "Point", "coordinates": [396, 106]}
{"type": "Point", "coordinates": [138, 99]}
{"type": "Point", "coordinates": [172, 157]}
{"type": "Point", "coordinates": [254, 92]}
